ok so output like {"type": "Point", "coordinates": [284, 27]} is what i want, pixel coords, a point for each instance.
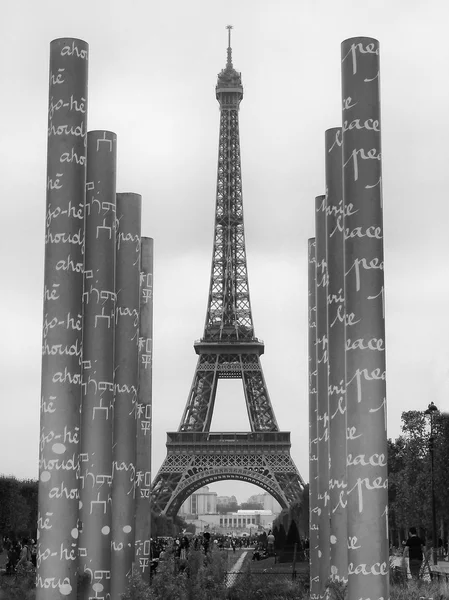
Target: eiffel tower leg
{"type": "Point", "coordinates": [199, 408]}
{"type": "Point", "coordinates": [260, 410]}
{"type": "Point", "coordinates": [167, 481]}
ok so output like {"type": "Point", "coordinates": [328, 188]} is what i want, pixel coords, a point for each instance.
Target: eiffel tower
{"type": "Point", "coordinates": [228, 349]}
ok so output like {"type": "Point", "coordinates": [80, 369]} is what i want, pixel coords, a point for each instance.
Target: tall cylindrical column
{"type": "Point", "coordinates": [313, 429]}
{"type": "Point", "coordinates": [365, 327]}
{"type": "Point", "coordinates": [336, 345]}
{"type": "Point", "coordinates": [57, 531]}
{"type": "Point", "coordinates": [322, 393]}
{"type": "Point", "coordinates": [98, 363]}
{"type": "Point", "coordinates": [127, 276]}
{"type": "Point", "coordinates": [144, 421]}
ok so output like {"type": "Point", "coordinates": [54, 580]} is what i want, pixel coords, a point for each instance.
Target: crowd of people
{"type": "Point", "coordinates": [163, 548]}
{"type": "Point", "coordinates": [20, 553]}
{"type": "Point", "coordinates": [24, 552]}
{"type": "Point", "coordinates": [263, 546]}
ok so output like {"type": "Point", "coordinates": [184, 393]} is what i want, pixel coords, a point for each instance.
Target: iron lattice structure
{"type": "Point", "coordinates": [228, 349]}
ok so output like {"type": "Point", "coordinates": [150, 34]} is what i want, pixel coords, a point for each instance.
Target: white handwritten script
{"type": "Point", "coordinates": [322, 357]}
{"type": "Point", "coordinates": [360, 48]}
{"type": "Point", "coordinates": [98, 386]}
{"type": "Point", "coordinates": [336, 213]}
{"type": "Point", "coordinates": [144, 408]}
{"type": "Point", "coordinates": [366, 457]}
{"type": "Point", "coordinates": [57, 521]}
{"type": "Point", "coordinates": [126, 379]}
{"type": "Point", "coordinates": [313, 420]}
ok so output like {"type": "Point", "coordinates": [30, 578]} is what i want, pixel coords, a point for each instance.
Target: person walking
{"type": "Point", "coordinates": [414, 548]}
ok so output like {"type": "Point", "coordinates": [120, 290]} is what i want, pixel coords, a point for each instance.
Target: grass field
{"type": "Point", "coordinates": [270, 565]}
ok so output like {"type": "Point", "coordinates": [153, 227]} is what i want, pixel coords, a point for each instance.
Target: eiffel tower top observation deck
{"type": "Point", "coordinates": [228, 349]}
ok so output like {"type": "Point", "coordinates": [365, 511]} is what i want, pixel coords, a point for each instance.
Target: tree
{"type": "Point", "coordinates": [409, 468]}
{"type": "Point", "coordinates": [293, 535]}
{"type": "Point", "coordinates": [227, 508]}
{"type": "Point", "coordinates": [29, 491]}
{"type": "Point", "coordinates": [281, 538]}
{"type": "Point", "coordinates": [191, 528]}
{"type": "Point", "coordinates": [160, 526]}
{"type": "Point", "coordinates": [251, 506]}
{"type": "Point", "coordinates": [14, 510]}
{"type": "Point", "coordinates": [441, 462]}
{"type": "Point", "coordinates": [303, 520]}
{"type": "Point", "coordinates": [178, 525]}
{"type": "Point", "coordinates": [412, 480]}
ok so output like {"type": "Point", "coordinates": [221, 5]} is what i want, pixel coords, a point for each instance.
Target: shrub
{"type": "Point", "coordinates": [253, 586]}
{"type": "Point", "coordinates": [166, 583]}
{"type": "Point", "coordinates": [20, 586]}
{"type": "Point", "coordinates": [206, 575]}
{"type": "Point", "coordinates": [293, 535]}
{"type": "Point", "coordinates": [405, 590]}
{"type": "Point", "coordinates": [420, 590]}
{"type": "Point", "coordinates": [338, 590]}
{"type": "Point", "coordinates": [202, 577]}
{"type": "Point", "coordinates": [199, 577]}
{"type": "Point", "coordinates": [137, 589]}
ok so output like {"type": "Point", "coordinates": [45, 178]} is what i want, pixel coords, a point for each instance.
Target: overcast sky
{"type": "Point", "coordinates": [152, 73]}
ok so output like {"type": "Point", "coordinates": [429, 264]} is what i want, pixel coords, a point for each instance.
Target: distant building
{"type": "Point", "coordinates": [267, 501]}
{"type": "Point", "coordinates": [234, 523]}
{"type": "Point", "coordinates": [202, 502]}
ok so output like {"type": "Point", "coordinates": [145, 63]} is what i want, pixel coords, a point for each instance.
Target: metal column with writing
{"type": "Point", "coordinates": [98, 363]}
{"type": "Point", "coordinates": [62, 322]}
{"type": "Point", "coordinates": [336, 346]}
{"type": "Point", "coordinates": [365, 327]}
{"type": "Point", "coordinates": [126, 383]}
{"type": "Point", "coordinates": [322, 394]}
{"type": "Point", "coordinates": [313, 431]}
{"type": "Point", "coordinates": [144, 421]}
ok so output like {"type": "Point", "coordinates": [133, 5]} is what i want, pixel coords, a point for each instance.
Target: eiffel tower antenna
{"type": "Point", "coordinates": [228, 349]}
{"type": "Point", "coordinates": [229, 61]}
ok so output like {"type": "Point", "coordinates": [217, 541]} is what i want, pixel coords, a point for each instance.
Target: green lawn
{"type": "Point", "coordinates": [269, 565]}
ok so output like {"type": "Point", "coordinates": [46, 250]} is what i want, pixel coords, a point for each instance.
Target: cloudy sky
{"type": "Point", "coordinates": [152, 74]}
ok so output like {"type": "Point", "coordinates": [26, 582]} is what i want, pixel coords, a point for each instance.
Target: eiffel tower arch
{"type": "Point", "coordinates": [228, 350]}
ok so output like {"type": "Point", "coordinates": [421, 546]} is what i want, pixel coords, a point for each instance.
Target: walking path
{"type": "Point", "coordinates": [236, 567]}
